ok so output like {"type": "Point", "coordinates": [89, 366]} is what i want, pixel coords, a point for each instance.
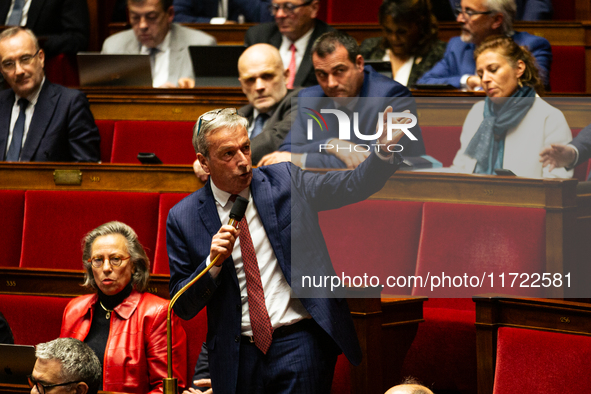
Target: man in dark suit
{"type": "Point", "coordinates": [481, 19]}
{"type": "Point", "coordinates": [571, 155]}
{"type": "Point", "coordinates": [60, 25]}
{"type": "Point", "coordinates": [345, 83]}
{"type": "Point", "coordinates": [269, 112]}
{"type": "Point", "coordinates": [208, 11]}
{"type": "Point", "coordinates": [40, 121]}
{"type": "Point", "coordinates": [294, 31]}
{"type": "Point", "coordinates": [261, 337]}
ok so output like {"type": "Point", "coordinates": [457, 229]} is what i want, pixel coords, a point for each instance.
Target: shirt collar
{"type": "Point", "coordinates": [301, 43]}
{"type": "Point", "coordinates": [222, 197]}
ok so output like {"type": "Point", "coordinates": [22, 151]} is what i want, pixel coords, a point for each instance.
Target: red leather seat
{"type": "Point", "coordinates": [11, 226]}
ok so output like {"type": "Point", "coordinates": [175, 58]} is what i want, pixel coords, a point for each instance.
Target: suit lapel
{"type": "Point", "coordinates": [175, 57]}
{"type": "Point", "coordinates": [4, 7]}
{"type": "Point", "coordinates": [306, 64]}
{"type": "Point", "coordinates": [209, 216]}
{"type": "Point", "coordinates": [263, 199]}
{"type": "Point", "coordinates": [5, 115]}
{"type": "Point", "coordinates": [44, 109]}
{"type": "Point", "coordinates": [34, 12]}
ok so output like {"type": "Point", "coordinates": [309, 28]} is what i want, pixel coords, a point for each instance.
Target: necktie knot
{"type": "Point", "coordinates": [259, 123]}
{"type": "Point", "coordinates": [233, 197]}
{"type": "Point", "coordinates": [23, 103]}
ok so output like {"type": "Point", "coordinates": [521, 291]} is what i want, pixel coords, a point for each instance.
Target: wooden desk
{"type": "Point", "coordinates": [494, 311]}
{"type": "Point", "coordinates": [435, 107]}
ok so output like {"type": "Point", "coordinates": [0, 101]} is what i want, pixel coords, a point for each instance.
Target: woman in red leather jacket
{"type": "Point", "coordinates": [124, 325]}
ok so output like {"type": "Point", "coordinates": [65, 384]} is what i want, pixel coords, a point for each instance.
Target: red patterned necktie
{"type": "Point", "coordinates": [259, 317]}
{"type": "Point", "coordinates": [292, 67]}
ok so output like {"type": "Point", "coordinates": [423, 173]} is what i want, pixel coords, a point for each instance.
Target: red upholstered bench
{"type": "Point", "coordinates": [33, 319]}
{"type": "Point", "coordinates": [63, 70]}
{"type": "Point", "coordinates": [463, 239]}
{"type": "Point", "coordinates": [12, 204]}
{"type": "Point", "coordinates": [568, 69]}
{"type": "Point", "coordinates": [532, 361]}
{"type": "Point", "coordinates": [167, 201]}
{"type": "Point", "coordinates": [56, 221]}
{"type": "Point", "coordinates": [170, 141]}
{"type": "Point", "coordinates": [106, 129]}
{"type": "Point", "coordinates": [442, 142]}
{"type": "Point", "coordinates": [355, 236]}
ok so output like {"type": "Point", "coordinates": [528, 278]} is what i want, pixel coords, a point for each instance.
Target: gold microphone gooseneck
{"type": "Point", "coordinates": [170, 384]}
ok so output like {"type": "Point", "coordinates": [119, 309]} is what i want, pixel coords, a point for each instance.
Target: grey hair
{"type": "Point", "coordinates": [13, 31]}
{"type": "Point", "coordinates": [78, 361]}
{"type": "Point", "coordinates": [226, 118]}
{"type": "Point", "coordinates": [506, 7]}
{"type": "Point", "coordinates": [139, 259]}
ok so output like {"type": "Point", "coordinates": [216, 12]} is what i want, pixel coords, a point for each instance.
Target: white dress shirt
{"type": "Point", "coordinates": [160, 63]}
{"type": "Point", "coordinates": [282, 307]}
{"type": "Point", "coordinates": [403, 73]}
{"type": "Point", "coordinates": [25, 15]}
{"type": "Point", "coordinates": [300, 45]}
{"type": "Point", "coordinates": [28, 114]}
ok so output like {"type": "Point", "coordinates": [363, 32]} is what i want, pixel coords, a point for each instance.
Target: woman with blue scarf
{"type": "Point", "coordinates": [509, 128]}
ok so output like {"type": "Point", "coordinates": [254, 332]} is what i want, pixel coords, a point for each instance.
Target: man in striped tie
{"type": "Point", "coordinates": [261, 337]}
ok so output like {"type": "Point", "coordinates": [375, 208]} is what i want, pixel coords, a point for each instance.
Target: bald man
{"type": "Point", "coordinates": [263, 79]}
{"type": "Point", "coordinates": [411, 388]}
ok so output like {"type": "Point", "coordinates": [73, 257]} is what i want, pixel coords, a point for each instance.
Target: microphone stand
{"type": "Point", "coordinates": [170, 384]}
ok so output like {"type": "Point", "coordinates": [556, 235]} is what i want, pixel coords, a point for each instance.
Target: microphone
{"type": "Point", "coordinates": [170, 384]}
{"type": "Point", "coordinates": [238, 210]}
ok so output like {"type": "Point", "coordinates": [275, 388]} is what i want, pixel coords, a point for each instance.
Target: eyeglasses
{"type": "Point", "coordinates": [288, 8]}
{"type": "Point", "coordinates": [469, 13]}
{"type": "Point", "coordinates": [114, 260]}
{"type": "Point", "coordinates": [43, 388]}
{"type": "Point", "coordinates": [211, 115]}
{"type": "Point", "coordinates": [25, 60]}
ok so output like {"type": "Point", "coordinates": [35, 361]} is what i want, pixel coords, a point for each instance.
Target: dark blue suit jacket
{"type": "Point", "coordinates": [62, 128]}
{"type": "Point", "coordinates": [62, 26]}
{"type": "Point", "coordinates": [459, 60]}
{"type": "Point", "coordinates": [288, 200]}
{"type": "Point", "coordinates": [374, 85]}
{"type": "Point", "coordinates": [583, 143]}
{"type": "Point", "coordinates": [201, 11]}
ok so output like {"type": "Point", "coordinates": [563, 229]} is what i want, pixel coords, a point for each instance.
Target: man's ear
{"type": "Point", "coordinates": [41, 57]}
{"type": "Point", "coordinates": [497, 21]}
{"type": "Point", "coordinates": [359, 62]}
{"type": "Point", "coordinates": [81, 388]}
{"type": "Point", "coordinates": [315, 7]}
{"type": "Point", "coordinates": [204, 163]}
{"type": "Point", "coordinates": [170, 13]}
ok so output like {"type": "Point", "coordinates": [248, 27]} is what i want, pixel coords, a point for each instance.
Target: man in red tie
{"type": "Point", "coordinates": [261, 337]}
{"type": "Point", "coordinates": [294, 31]}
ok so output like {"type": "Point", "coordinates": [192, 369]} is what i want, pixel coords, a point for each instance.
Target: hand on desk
{"type": "Point", "coordinates": [474, 83]}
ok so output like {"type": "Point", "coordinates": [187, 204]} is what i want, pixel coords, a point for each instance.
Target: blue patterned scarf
{"type": "Point", "coordinates": [487, 145]}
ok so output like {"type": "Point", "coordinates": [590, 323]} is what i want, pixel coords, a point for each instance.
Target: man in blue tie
{"type": "Point", "coordinates": [40, 121]}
